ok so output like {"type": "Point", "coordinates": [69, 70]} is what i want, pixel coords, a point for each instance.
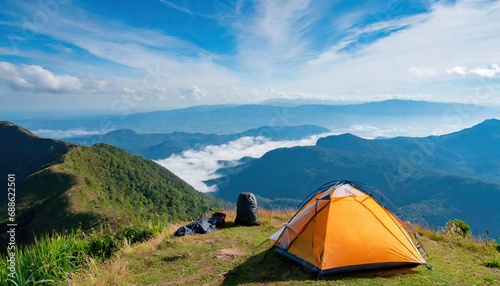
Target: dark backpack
{"type": "Point", "coordinates": [246, 212]}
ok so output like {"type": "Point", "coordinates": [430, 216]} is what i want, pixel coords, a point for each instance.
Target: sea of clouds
{"type": "Point", "coordinates": [196, 166]}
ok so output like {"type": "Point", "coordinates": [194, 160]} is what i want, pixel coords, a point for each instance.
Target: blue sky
{"type": "Point", "coordinates": [62, 56]}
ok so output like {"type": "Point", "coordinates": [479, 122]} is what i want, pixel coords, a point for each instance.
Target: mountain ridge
{"type": "Point", "coordinates": [91, 186]}
{"type": "Point", "coordinates": [27, 160]}
{"type": "Point", "coordinates": [418, 174]}
{"type": "Point", "coordinates": [162, 145]}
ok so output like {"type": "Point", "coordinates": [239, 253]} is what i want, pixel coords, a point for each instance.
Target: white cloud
{"type": "Point", "coordinates": [274, 44]}
{"type": "Point", "coordinates": [184, 9]}
{"type": "Point", "coordinates": [430, 40]}
{"type": "Point", "coordinates": [331, 55]}
{"type": "Point", "coordinates": [272, 38]}
{"type": "Point", "coordinates": [36, 78]}
{"type": "Point", "coordinates": [193, 93]}
{"type": "Point", "coordinates": [386, 131]}
{"type": "Point", "coordinates": [457, 69]}
{"type": "Point", "coordinates": [128, 90]}
{"type": "Point", "coordinates": [402, 96]}
{"type": "Point", "coordinates": [218, 10]}
{"type": "Point", "coordinates": [492, 70]}
{"type": "Point", "coordinates": [355, 34]}
{"type": "Point", "coordinates": [489, 71]}
{"type": "Point", "coordinates": [195, 166]}
{"type": "Point", "coordinates": [58, 134]}
{"type": "Point", "coordinates": [91, 82]}
{"type": "Point", "coordinates": [423, 71]}
{"type": "Point", "coordinates": [171, 62]}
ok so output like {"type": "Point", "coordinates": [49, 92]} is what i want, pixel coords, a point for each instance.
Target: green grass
{"type": "Point", "coordinates": [494, 262]}
{"type": "Point", "coordinates": [46, 261]}
{"type": "Point", "coordinates": [229, 256]}
{"type": "Point", "coordinates": [235, 256]}
{"type": "Point", "coordinates": [51, 259]}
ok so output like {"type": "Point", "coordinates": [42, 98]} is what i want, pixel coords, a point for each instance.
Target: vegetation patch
{"type": "Point", "coordinates": [48, 260]}
{"type": "Point", "coordinates": [149, 254]}
{"type": "Point", "coordinates": [135, 234]}
{"type": "Point", "coordinates": [51, 259]}
{"type": "Point", "coordinates": [103, 185]}
{"type": "Point", "coordinates": [493, 262]}
{"type": "Point", "coordinates": [457, 227]}
{"type": "Point", "coordinates": [237, 255]}
{"type": "Point", "coordinates": [102, 247]}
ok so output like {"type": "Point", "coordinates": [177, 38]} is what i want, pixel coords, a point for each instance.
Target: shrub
{"type": "Point", "coordinates": [457, 227]}
{"type": "Point", "coordinates": [49, 260]}
{"type": "Point", "coordinates": [102, 246]}
{"type": "Point", "coordinates": [493, 263]}
{"type": "Point", "coordinates": [135, 234]}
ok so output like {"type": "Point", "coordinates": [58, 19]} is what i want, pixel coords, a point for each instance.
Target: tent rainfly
{"type": "Point", "coordinates": [340, 227]}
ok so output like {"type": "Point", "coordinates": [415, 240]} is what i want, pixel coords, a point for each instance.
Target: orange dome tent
{"type": "Point", "coordinates": [340, 227]}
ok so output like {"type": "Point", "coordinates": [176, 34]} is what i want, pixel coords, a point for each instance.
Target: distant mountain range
{"type": "Point", "coordinates": [159, 146]}
{"type": "Point", "coordinates": [433, 178]}
{"type": "Point", "coordinates": [60, 186]}
{"type": "Point", "coordinates": [473, 152]}
{"type": "Point", "coordinates": [228, 119]}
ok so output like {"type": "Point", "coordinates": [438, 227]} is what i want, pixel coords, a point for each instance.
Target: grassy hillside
{"type": "Point", "coordinates": [234, 256]}
{"type": "Point", "coordinates": [90, 186]}
{"type": "Point", "coordinates": [131, 186]}
{"type": "Point", "coordinates": [104, 184]}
